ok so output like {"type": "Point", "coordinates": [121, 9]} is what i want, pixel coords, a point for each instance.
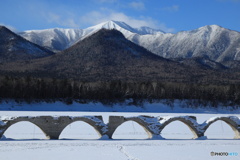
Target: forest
{"type": "Point", "coordinates": [32, 89]}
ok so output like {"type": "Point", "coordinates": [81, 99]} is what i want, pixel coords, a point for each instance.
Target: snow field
{"type": "Point", "coordinates": [79, 140]}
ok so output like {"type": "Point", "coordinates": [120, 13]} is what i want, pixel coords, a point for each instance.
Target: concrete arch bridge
{"type": "Point", "coordinates": [52, 126]}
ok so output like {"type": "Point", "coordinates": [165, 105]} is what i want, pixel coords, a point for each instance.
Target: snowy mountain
{"type": "Point", "coordinates": [126, 30]}
{"type": "Point", "coordinates": [108, 56]}
{"type": "Point", "coordinates": [215, 42]}
{"type": "Point", "coordinates": [59, 39]}
{"type": "Point", "coordinates": [56, 39]}
{"type": "Point", "coordinates": [13, 47]}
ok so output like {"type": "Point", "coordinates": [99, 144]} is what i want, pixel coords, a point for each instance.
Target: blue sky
{"type": "Point", "coordinates": [168, 15]}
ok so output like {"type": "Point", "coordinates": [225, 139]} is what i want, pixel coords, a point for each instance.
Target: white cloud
{"type": "Point", "coordinates": [137, 5]}
{"type": "Point", "coordinates": [55, 18]}
{"type": "Point", "coordinates": [57, 15]}
{"type": "Point", "coordinates": [173, 8]}
{"type": "Point", "coordinates": [96, 17]}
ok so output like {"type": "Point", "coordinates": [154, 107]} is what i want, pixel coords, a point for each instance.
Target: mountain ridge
{"type": "Point", "coordinates": [106, 66]}
{"type": "Point", "coordinates": [108, 56]}
{"type": "Point", "coordinates": [36, 35]}
{"type": "Point", "coordinates": [217, 43]}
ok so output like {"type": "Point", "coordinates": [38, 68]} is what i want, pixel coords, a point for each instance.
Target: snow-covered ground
{"type": "Point", "coordinates": [24, 141]}
{"type": "Point", "coordinates": [163, 106]}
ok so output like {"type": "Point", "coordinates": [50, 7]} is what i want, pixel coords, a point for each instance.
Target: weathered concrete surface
{"type": "Point", "coordinates": [150, 124]}
{"type": "Point", "coordinates": [190, 121]}
{"type": "Point", "coordinates": [52, 127]}
{"type": "Point", "coordinates": [232, 121]}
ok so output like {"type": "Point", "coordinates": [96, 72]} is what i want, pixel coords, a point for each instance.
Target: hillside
{"type": "Point", "coordinates": [217, 43]}
{"type": "Point", "coordinates": [106, 66]}
{"type": "Point", "coordinates": [107, 55]}
{"type": "Point", "coordinates": [14, 48]}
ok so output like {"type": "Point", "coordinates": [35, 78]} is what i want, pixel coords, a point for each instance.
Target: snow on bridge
{"type": "Point", "coordinates": [52, 126]}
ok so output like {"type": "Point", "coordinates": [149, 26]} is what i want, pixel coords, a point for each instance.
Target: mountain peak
{"type": "Point", "coordinates": [112, 22]}
{"type": "Point", "coordinates": [109, 42]}
{"type": "Point", "coordinates": [125, 28]}
{"type": "Point", "coordinates": [213, 27]}
{"type": "Point", "coordinates": [112, 32]}
{"type": "Point", "coordinates": [3, 28]}
{"type": "Point", "coordinates": [112, 25]}
{"type": "Point", "coordinates": [107, 54]}
{"type": "Point", "coordinates": [214, 41]}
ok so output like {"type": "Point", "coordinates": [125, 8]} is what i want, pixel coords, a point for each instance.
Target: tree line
{"type": "Point", "coordinates": [51, 89]}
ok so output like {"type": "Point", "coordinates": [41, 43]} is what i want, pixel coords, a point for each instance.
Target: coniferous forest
{"type": "Point", "coordinates": [50, 89]}
{"type": "Point", "coordinates": [106, 67]}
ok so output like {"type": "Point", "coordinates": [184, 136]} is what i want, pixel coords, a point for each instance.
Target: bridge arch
{"type": "Point", "coordinates": [20, 120]}
{"type": "Point", "coordinates": [52, 126]}
{"type": "Point", "coordinates": [89, 124]}
{"type": "Point", "coordinates": [149, 124]}
{"type": "Point", "coordinates": [231, 121]}
{"type": "Point", "coordinates": [189, 121]}
{"type": "Point", "coordinates": [177, 130]}
{"type": "Point", "coordinates": [149, 134]}
{"type": "Point", "coordinates": [94, 121]}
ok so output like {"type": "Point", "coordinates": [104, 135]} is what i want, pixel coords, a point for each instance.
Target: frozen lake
{"type": "Point", "coordinates": [25, 141]}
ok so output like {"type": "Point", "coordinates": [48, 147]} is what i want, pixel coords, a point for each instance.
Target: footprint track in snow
{"type": "Point", "coordinates": [123, 151]}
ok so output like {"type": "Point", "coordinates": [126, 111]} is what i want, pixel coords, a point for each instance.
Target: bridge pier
{"type": "Point", "coordinates": [52, 126]}
{"type": "Point", "coordinates": [2, 130]}
{"type": "Point", "coordinates": [113, 123]}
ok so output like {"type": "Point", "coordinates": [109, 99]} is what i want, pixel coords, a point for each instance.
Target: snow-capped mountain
{"type": "Point", "coordinates": [212, 41]}
{"type": "Point", "coordinates": [122, 27]}
{"type": "Point", "coordinates": [13, 47]}
{"type": "Point", "coordinates": [56, 39]}
{"type": "Point", "coordinates": [59, 39]}
{"type": "Point", "coordinates": [108, 56]}
{"type": "Point", "coordinates": [217, 43]}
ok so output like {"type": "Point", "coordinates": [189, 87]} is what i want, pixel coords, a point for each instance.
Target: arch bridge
{"type": "Point", "coordinates": [52, 126]}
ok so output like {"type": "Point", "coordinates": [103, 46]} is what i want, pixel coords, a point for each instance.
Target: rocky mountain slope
{"type": "Point", "coordinates": [13, 47]}
{"type": "Point", "coordinates": [58, 39]}
{"type": "Point", "coordinates": [108, 56]}
{"type": "Point", "coordinates": [217, 43]}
